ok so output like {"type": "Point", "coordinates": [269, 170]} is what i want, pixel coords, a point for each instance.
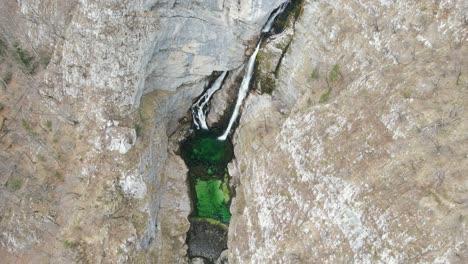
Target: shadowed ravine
{"type": "Point", "coordinates": [207, 153]}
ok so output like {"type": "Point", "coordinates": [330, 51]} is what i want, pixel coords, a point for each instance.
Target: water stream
{"type": "Point", "coordinates": [207, 152]}
{"type": "Point", "coordinates": [244, 88]}
{"type": "Point", "coordinates": [201, 107]}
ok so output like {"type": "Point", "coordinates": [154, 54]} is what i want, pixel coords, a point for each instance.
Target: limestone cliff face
{"type": "Point", "coordinates": [121, 75]}
{"type": "Point", "coordinates": [359, 155]}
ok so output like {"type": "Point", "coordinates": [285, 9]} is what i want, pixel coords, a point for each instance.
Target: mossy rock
{"type": "Point", "coordinates": [14, 184]}
{"type": "Point", "coordinates": [325, 96]}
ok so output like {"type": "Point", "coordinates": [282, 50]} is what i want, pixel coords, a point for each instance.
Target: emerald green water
{"type": "Point", "coordinates": [212, 199]}
{"type": "Point", "coordinates": [207, 159]}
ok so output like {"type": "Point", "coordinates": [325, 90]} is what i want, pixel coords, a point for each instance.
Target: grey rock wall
{"type": "Point", "coordinates": [375, 172]}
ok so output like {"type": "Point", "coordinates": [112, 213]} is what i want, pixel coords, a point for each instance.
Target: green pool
{"type": "Point", "coordinates": [207, 159]}
{"type": "Point", "coordinates": [213, 199]}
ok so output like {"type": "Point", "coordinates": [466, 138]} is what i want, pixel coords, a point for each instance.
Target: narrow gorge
{"type": "Point", "coordinates": [207, 152]}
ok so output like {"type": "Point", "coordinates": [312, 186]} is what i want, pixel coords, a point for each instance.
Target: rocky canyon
{"type": "Point", "coordinates": [351, 145]}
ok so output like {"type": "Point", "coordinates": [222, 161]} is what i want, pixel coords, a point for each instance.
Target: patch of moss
{"type": "Point", "coordinates": [70, 244]}
{"type": "Point", "coordinates": [27, 61]}
{"type": "Point", "coordinates": [26, 125]}
{"type": "Point", "coordinates": [57, 136]}
{"type": "Point", "coordinates": [292, 12]}
{"type": "Point", "coordinates": [58, 176]}
{"type": "Point", "coordinates": [49, 125]}
{"type": "Point", "coordinates": [298, 8]}
{"type": "Point", "coordinates": [325, 96]}
{"type": "Point", "coordinates": [265, 81]}
{"type": "Point", "coordinates": [45, 60]}
{"type": "Point", "coordinates": [14, 184]}
{"type": "Point", "coordinates": [334, 73]}
{"type": "Point", "coordinates": [267, 84]}
{"type": "Point", "coordinates": [3, 47]}
{"type": "Point", "coordinates": [406, 94]}
{"type": "Point", "coordinates": [139, 221]}
{"type": "Point", "coordinates": [315, 74]}
{"type": "Point", "coordinates": [41, 157]}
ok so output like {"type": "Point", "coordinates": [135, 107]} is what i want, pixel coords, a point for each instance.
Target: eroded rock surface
{"type": "Point", "coordinates": [372, 170]}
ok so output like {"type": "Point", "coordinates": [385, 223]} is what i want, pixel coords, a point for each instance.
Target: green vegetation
{"type": "Point", "coordinates": [26, 61]}
{"type": "Point", "coordinates": [45, 59]}
{"type": "Point", "coordinates": [406, 94]}
{"type": "Point", "coordinates": [1, 106]}
{"type": "Point", "coordinates": [26, 125]}
{"type": "Point", "coordinates": [315, 74]}
{"type": "Point", "coordinates": [14, 184]}
{"type": "Point", "coordinates": [332, 77]}
{"type": "Point", "coordinates": [334, 73]}
{"type": "Point", "coordinates": [298, 8]}
{"type": "Point", "coordinates": [267, 84]}
{"type": "Point", "coordinates": [49, 125]}
{"type": "Point", "coordinates": [265, 74]}
{"type": "Point", "coordinates": [58, 176]}
{"type": "Point", "coordinates": [70, 244]}
{"type": "Point", "coordinates": [56, 137]}
{"type": "Point", "coordinates": [139, 221]}
{"type": "Point", "coordinates": [325, 96]}
{"type": "Point", "coordinates": [293, 10]}
{"type": "Point", "coordinates": [41, 157]}
{"type": "Point", "coordinates": [3, 48]}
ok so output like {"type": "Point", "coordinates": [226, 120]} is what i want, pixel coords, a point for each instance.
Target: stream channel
{"type": "Point", "coordinates": [207, 152]}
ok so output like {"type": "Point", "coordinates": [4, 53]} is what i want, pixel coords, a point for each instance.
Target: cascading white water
{"type": "Point", "coordinates": [248, 74]}
{"type": "Point", "coordinates": [200, 108]}
{"type": "Point", "coordinates": [242, 91]}
{"type": "Point", "coordinates": [271, 20]}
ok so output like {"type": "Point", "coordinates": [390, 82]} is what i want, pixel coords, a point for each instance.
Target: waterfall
{"type": "Point", "coordinates": [201, 107]}
{"type": "Point", "coordinates": [207, 155]}
{"type": "Point", "coordinates": [271, 20]}
{"type": "Point", "coordinates": [244, 88]}
{"type": "Point", "coordinates": [248, 74]}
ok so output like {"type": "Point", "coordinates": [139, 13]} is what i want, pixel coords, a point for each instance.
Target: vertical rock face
{"type": "Point", "coordinates": [359, 155]}
{"type": "Point", "coordinates": [121, 75]}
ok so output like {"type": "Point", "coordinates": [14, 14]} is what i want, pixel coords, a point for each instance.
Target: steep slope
{"type": "Point", "coordinates": [359, 154]}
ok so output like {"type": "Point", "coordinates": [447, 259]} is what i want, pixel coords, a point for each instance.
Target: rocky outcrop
{"type": "Point", "coordinates": [359, 154]}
